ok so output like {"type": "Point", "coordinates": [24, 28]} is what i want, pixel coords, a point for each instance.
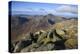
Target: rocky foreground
{"type": "Point", "coordinates": [63, 35]}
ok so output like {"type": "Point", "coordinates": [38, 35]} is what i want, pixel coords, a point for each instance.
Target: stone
{"type": "Point", "coordinates": [60, 32]}
{"type": "Point", "coordinates": [41, 37]}
{"type": "Point", "coordinates": [22, 44]}
{"type": "Point", "coordinates": [71, 43]}
{"type": "Point", "coordinates": [50, 46]}
{"type": "Point", "coordinates": [30, 48]}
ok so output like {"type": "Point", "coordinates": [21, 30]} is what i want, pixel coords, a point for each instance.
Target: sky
{"type": "Point", "coordinates": [34, 8]}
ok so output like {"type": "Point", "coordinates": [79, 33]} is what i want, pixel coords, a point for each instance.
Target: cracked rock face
{"type": "Point", "coordinates": [61, 36]}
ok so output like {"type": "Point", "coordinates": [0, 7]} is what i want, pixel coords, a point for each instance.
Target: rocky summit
{"type": "Point", "coordinates": [62, 35]}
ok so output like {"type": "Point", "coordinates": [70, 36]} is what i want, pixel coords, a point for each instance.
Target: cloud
{"type": "Point", "coordinates": [66, 8]}
{"type": "Point", "coordinates": [47, 11]}
{"type": "Point", "coordinates": [28, 9]}
{"type": "Point", "coordinates": [42, 9]}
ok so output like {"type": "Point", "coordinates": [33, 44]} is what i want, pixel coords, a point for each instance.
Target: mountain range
{"type": "Point", "coordinates": [22, 24]}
